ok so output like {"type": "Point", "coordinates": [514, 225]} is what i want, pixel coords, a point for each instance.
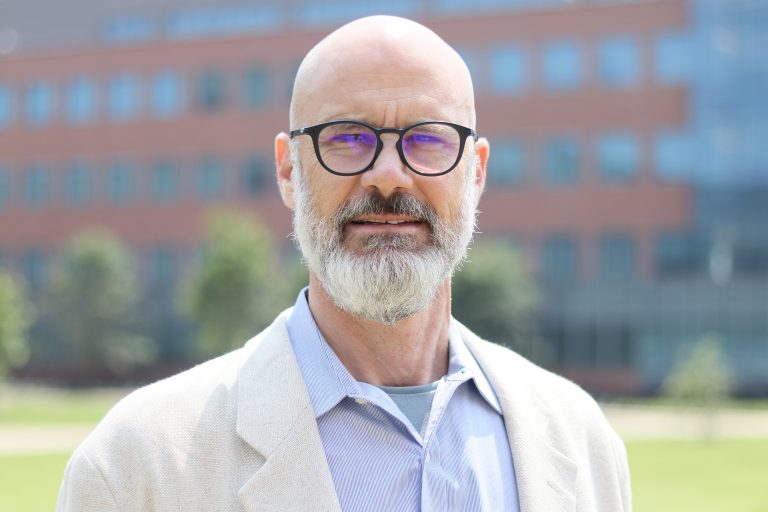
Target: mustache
{"type": "Point", "coordinates": [398, 203]}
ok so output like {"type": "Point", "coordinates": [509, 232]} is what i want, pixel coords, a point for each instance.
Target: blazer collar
{"type": "Point", "coordinates": [546, 478]}
{"type": "Point", "coordinates": [275, 417]}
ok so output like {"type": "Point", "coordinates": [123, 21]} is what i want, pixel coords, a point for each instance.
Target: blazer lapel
{"type": "Point", "coordinates": [275, 417]}
{"type": "Point", "coordinates": [546, 478]}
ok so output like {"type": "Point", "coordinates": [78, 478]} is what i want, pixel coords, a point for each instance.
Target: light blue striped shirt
{"type": "Point", "coordinates": [379, 461]}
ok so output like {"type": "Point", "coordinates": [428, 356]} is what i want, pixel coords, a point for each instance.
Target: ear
{"type": "Point", "coordinates": [284, 169]}
{"type": "Point", "coordinates": [482, 151]}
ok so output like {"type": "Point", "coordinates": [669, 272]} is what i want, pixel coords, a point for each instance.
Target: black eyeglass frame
{"type": "Point", "coordinates": [314, 132]}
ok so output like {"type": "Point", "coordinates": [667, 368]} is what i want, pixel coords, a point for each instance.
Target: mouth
{"type": "Point", "coordinates": [386, 223]}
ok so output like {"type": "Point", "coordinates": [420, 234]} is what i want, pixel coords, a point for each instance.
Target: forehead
{"type": "Point", "coordinates": [388, 84]}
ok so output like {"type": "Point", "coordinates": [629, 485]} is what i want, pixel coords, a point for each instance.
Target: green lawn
{"type": "Point", "coordinates": [668, 476]}
{"type": "Point", "coordinates": [701, 476]}
{"type": "Point", "coordinates": [30, 483]}
{"type": "Point", "coordinates": [36, 406]}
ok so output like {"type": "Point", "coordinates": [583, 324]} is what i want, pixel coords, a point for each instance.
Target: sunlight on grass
{"type": "Point", "coordinates": [35, 406]}
{"type": "Point", "coordinates": [30, 483]}
{"type": "Point", "coordinates": [703, 476]}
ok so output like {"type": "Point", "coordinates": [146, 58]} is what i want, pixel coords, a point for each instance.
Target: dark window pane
{"type": "Point", "coordinates": [618, 157]}
{"type": "Point", "coordinates": [210, 183]}
{"type": "Point", "coordinates": [560, 258]}
{"type": "Point", "coordinates": [617, 256]}
{"type": "Point", "coordinates": [211, 93]}
{"type": "Point", "coordinates": [120, 184]}
{"type": "Point", "coordinates": [561, 161]}
{"type": "Point", "coordinates": [164, 181]}
{"type": "Point", "coordinates": [256, 87]}
{"type": "Point", "coordinates": [36, 186]}
{"type": "Point", "coordinates": [78, 183]}
{"type": "Point", "coordinates": [678, 255]}
{"type": "Point", "coordinates": [506, 164]}
{"type": "Point", "coordinates": [256, 172]}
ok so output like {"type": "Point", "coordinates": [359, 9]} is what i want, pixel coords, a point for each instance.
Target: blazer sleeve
{"type": "Point", "coordinates": [84, 488]}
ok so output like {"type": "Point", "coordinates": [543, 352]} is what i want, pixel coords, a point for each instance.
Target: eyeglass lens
{"type": "Point", "coordinates": [430, 148]}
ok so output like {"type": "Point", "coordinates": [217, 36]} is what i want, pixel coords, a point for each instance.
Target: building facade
{"type": "Point", "coordinates": [627, 159]}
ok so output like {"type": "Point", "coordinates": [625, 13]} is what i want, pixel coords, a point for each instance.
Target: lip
{"type": "Point", "coordinates": [385, 223]}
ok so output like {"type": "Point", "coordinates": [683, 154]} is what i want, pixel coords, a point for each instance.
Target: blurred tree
{"type": "Point", "coordinates": [702, 375]}
{"type": "Point", "coordinates": [701, 378]}
{"type": "Point", "coordinates": [92, 303]}
{"type": "Point", "coordinates": [14, 320]}
{"type": "Point", "coordinates": [239, 288]}
{"type": "Point", "coordinates": [495, 297]}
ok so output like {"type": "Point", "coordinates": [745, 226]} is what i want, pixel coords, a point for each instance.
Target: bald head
{"type": "Point", "coordinates": [377, 69]}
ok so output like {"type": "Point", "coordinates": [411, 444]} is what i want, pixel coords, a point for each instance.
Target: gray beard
{"type": "Point", "coordinates": [387, 277]}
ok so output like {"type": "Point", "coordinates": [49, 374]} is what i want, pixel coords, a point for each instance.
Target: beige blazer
{"type": "Point", "coordinates": [238, 433]}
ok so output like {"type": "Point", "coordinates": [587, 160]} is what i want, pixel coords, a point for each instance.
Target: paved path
{"type": "Point", "coordinates": [20, 439]}
{"type": "Point", "coordinates": [632, 422]}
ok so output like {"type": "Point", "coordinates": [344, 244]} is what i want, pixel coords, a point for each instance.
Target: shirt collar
{"type": "Point", "coordinates": [329, 382]}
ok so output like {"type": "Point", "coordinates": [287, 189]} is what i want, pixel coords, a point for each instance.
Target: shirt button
{"type": "Point", "coordinates": [361, 401]}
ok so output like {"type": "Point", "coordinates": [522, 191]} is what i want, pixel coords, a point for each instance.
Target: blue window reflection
{"type": "Point", "coordinates": [5, 193]}
{"type": "Point", "coordinates": [162, 266]}
{"type": "Point", "coordinates": [563, 65]}
{"type": "Point", "coordinates": [36, 186]}
{"type": "Point", "coordinates": [256, 86]}
{"type": "Point", "coordinates": [40, 103]}
{"type": "Point", "coordinates": [123, 97]}
{"type": "Point", "coordinates": [618, 157]}
{"type": "Point", "coordinates": [562, 160]}
{"type": "Point", "coordinates": [673, 58]}
{"type": "Point", "coordinates": [617, 256]}
{"type": "Point", "coordinates": [509, 69]}
{"type": "Point", "coordinates": [6, 106]}
{"type": "Point", "coordinates": [120, 182]}
{"type": "Point", "coordinates": [167, 94]}
{"type": "Point", "coordinates": [33, 269]}
{"type": "Point", "coordinates": [619, 62]}
{"type": "Point", "coordinates": [127, 29]}
{"type": "Point", "coordinates": [165, 181]}
{"type": "Point", "coordinates": [673, 156]}
{"type": "Point", "coordinates": [506, 166]}
{"type": "Point", "coordinates": [78, 184]}
{"type": "Point", "coordinates": [81, 100]}
{"type": "Point", "coordinates": [224, 20]}
{"type": "Point", "coordinates": [560, 258]}
{"type": "Point", "coordinates": [210, 182]}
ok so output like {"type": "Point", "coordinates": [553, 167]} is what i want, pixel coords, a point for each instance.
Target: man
{"type": "Point", "coordinates": [367, 395]}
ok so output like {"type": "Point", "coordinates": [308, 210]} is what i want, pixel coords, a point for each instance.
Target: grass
{"type": "Point", "coordinates": [30, 483]}
{"type": "Point", "coordinates": [41, 406]}
{"type": "Point", "coordinates": [704, 476]}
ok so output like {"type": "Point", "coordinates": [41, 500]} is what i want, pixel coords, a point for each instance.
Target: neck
{"type": "Point", "coordinates": [412, 352]}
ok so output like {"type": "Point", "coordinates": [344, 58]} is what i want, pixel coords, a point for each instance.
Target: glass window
{"type": "Point", "coordinates": [618, 157]}
{"type": "Point", "coordinates": [224, 20]}
{"type": "Point", "coordinates": [256, 87]}
{"type": "Point", "coordinates": [39, 103]}
{"type": "Point", "coordinates": [120, 182]}
{"type": "Point", "coordinates": [165, 181]}
{"type": "Point", "coordinates": [78, 183]}
{"type": "Point", "coordinates": [123, 97]}
{"type": "Point", "coordinates": [562, 161]}
{"type": "Point", "coordinates": [167, 94]}
{"type": "Point", "coordinates": [617, 256]}
{"type": "Point", "coordinates": [3, 261]}
{"type": "Point", "coordinates": [127, 29]}
{"type": "Point", "coordinates": [563, 65]}
{"type": "Point", "coordinates": [338, 11]}
{"type": "Point", "coordinates": [506, 164]}
{"type": "Point", "coordinates": [619, 62]}
{"type": "Point", "coordinates": [33, 269]}
{"type": "Point", "coordinates": [211, 93]}
{"type": "Point", "coordinates": [209, 179]}
{"type": "Point", "coordinates": [560, 258]}
{"type": "Point", "coordinates": [81, 100]}
{"type": "Point", "coordinates": [36, 186]}
{"type": "Point", "coordinates": [162, 266]}
{"type": "Point", "coordinates": [5, 192]}
{"type": "Point", "coordinates": [6, 106]}
{"type": "Point", "coordinates": [256, 171]}
{"type": "Point", "coordinates": [678, 254]}
{"type": "Point", "coordinates": [673, 58]}
{"type": "Point", "coordinates": [509, 69]}
{"type": "Point", "coordinates": [673, 156]}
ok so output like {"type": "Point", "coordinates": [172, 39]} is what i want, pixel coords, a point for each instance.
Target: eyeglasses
{"type": "Point", "coordinates": [347, 148]}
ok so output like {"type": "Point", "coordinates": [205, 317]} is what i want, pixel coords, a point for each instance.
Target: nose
{"type": "Point", "coordinates": [389, 174]}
